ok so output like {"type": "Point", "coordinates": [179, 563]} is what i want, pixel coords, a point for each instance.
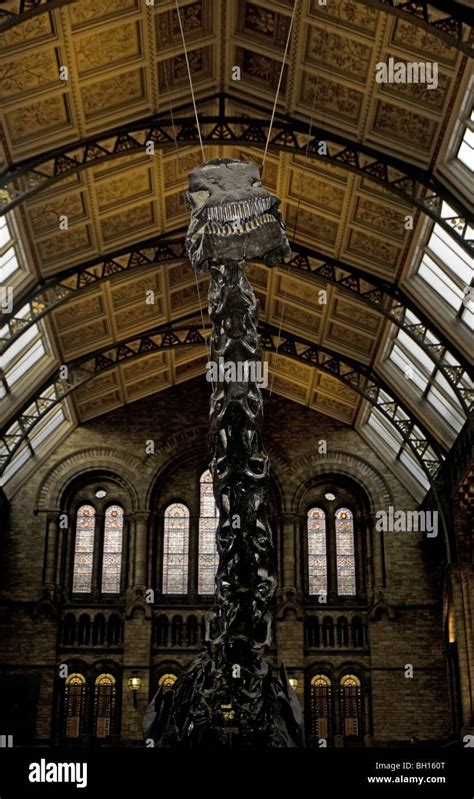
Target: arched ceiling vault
{"type": "Point", "coordinates": [447, 25]}
{"type": "Point", "coordinates": [349, 298]}
{"type": "Point", "coordinates": [416, 186]}
{"type": "Point", "coordinates": [380, 297]}
{"type": "Point", "coordinates": [356, 377]}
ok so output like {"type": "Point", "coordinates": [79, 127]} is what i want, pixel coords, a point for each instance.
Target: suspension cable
{"type": "Point", "coordinates": [191, 80]}
{"type": "Point", "coordinates": [279, 83]}
{"type": "Point", "coordinates": [295, 226]}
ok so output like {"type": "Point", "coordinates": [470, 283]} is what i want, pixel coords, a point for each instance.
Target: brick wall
{"type": "Point", "coordinates": [402, 614]}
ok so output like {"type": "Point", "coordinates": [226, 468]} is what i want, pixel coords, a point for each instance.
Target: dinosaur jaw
{"type": "Point", "coordinates": [238, 238]}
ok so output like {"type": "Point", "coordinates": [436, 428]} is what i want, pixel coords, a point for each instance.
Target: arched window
{"type": "Point", "coordinates": [161, 630]}
{"type": "Point", "coordinates": [104, 705]}
{"type": "Point", "coordinates": [84, 550]}
{"type": "Point", "coordinates": [114, 630]}
{"type": "Point", "coordinates": [191, 631]}
{"type": "Point", "coordinates": [357, 631]}
{"type": "Point", "coordinates": [351, 705]}
{"type": "Point", "coordinates": [321, 712]}
{"type": "Point", "coordinates": [328, 632]}
{"type": "Point", "coordinates": [74, 703]}
{"type": "Point", "coordinates": [208, 521]}
{"type": "Point", "coordinates": [167, 681]}
{"type": "Point", "coordinates": [98, 547]}
{"type": "Point", "coordinates": [342, 631]}
{"type": "Point", "coordinates": [84, 630]}
{"type": "Point", "coordinates": [311, 626]}
{"type": "Point", "coordinates": [112, 550]}
{"type": "Point", "coordinates": [345, 554]}
{"type": "Point", "coordinates": [98, 630]}
{"type": "Point", "coordinates": [317, 558]}
{"type": "Point", "coordinates": [176, 549]}
{"type": "Point", "coordinates": [177, 631]}
{"type": "Point", "coordinates": [69, 629]}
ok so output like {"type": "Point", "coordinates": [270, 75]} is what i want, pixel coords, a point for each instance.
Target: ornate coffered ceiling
{"type": "Point", "coordinates": [80, 70]}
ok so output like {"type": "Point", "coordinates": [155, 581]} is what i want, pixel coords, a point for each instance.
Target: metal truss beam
{"type": "Point", "coordinates": [376, 294]}
{"type": "Point", "coordinates": [421, 13]}
{"type": "Point", "coordinates": [360, 378]}
{"type": "Point", "coordinates": [28, 9]}
{"type": "Point", "coordinates": [392, 304]}
{"type": "Point", "coordinates": [414, 185]}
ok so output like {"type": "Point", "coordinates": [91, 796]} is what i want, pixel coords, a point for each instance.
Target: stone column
{"type": "Point", "coordinates": [378, 570]}
{"type": "Point", "coordinates": [131, 551]}
{"type": "Point", "coordinates": [291, 565]}
{"type": "Point", "coordinates": [141, 529]}
{"type": "Point", "coordinates": [51, 547]}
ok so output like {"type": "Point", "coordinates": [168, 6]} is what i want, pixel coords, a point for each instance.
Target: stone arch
{"type": "Point", "coordinates": [186, 445]}
{"type": "Point", "coordinates": [177, 458]}
{"type": "Point", "coordinates": [353, 467]}
{"type": "Point", "coordinates": [118, 465]}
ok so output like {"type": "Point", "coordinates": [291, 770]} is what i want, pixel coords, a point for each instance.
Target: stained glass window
{"type": "Point", "coordinates": [321, 726]}
{"type": "Point", "coordinates": [176, 549]}
{"type": "Point", "coordinates": [208, 521]}
{"type": "Point", "coordinates": [112, 552]}
{"type": "Point", "coordinates": [317, 559]}
{"type": "Point", "coordinates": [351, 701]}
{"type": "Point", "coordinates": [84, 550]}
{"type": "Point", "coordinates": [74, 697]}
{"type": "Point", "coordinates": [345, 555]}
{"type": "Point", "coordinates": [104, 705]}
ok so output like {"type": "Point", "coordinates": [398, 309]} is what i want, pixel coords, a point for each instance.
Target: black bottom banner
{"type": "Point", "coordinates": [124, 772]}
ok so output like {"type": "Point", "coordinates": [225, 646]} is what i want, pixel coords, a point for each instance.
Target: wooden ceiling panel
{"type": "Point", "coordinates": [197, 19]}
{"type": "Point", "coordinates": [88, 12]}
{"type": "Point", "coordinates": [125, 61]}
{"type": "Point", "coordinates": [347, 15]}
{"type": "Point", "coordinates": [98, 50]}
{"type": "Point", "coordinates": [156, 381]}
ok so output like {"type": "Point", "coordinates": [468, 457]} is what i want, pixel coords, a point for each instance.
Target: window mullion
{"type": "Point", "coordinates": [98, 554]}
{"type": "Point", "coordinates": [193, 564]}
{"type": "Point", "coordinates": [331, 557]}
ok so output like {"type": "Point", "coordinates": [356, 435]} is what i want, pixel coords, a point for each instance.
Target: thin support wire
{"type": "Point", "coordinates": [279, 83]}
{"type": "Point", "coordinates": [191, 80]}
{"type": "Point", "coordinates": [295, 227]}
{"type": "Point", "coordinates": [207, 340]}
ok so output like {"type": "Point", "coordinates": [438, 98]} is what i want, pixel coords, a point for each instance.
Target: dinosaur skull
{"type": "Point", "coordinates": [232, 216]}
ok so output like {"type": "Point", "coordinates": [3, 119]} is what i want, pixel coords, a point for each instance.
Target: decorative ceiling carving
{"type": "Point", "coordinates": [125, 63]}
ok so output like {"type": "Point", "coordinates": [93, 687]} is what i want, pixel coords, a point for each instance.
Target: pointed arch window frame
{"type": "Point", "coordinates": [84, 549]}
{"type": "Point", "coordinates": [346, 574]}
{"type": "Point", "coordinates": [321, 725]}
{"type": "Point", "coordinates": [325, 545]}
{"type": "Point", "coordinates": [112, 546]}
{"type": "Point", "coordinates": [316, 531]}
{"type": "Point", "coordinates": [181, 555]}
{"type": "Point", "coordinates": [351, 697]}
{"type": "Point", "coordinates": [208, 558]}
{"type": "Point", "coordinates": [98, 552]}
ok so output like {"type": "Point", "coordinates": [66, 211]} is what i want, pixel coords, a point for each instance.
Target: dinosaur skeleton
{"type": "Point", "coordinates": [230, 685]}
